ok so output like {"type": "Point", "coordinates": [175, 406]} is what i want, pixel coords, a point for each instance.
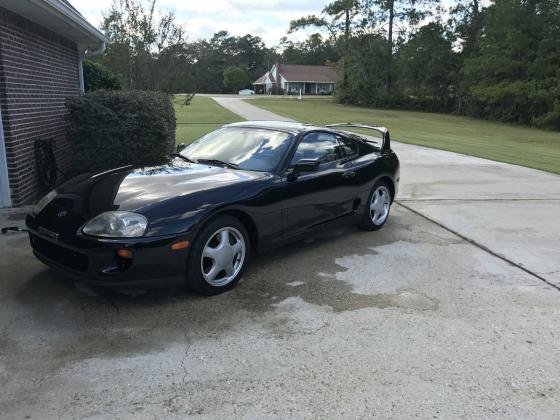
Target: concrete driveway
{"type": "Point", "coordinates": [410, 321]}
{"type": "Point", "coordinates": [509, 210]}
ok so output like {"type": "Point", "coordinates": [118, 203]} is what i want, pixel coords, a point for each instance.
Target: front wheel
{"type": "Point", "coordinates": [378, 207]}
{"type": "Point", "coordinates": [218, 257]}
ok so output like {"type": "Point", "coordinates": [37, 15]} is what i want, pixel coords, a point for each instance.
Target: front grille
{"type": "Point", "coordinates": [60, 216]}
{"type": "Point", "coordinates": [62, 255]}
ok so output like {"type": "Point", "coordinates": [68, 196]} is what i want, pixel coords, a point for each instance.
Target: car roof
{"type": "Point", "coordinates": [293, 127]}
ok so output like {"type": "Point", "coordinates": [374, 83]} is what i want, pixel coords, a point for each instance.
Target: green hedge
{"type": "Point", "coordinates": [115, 128]}
{"type": "Point", "coordinates": [97, 77]}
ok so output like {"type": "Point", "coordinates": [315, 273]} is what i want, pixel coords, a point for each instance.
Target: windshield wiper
{"type": "Point", "coordinates": [179, 155]}
{"type": "Point", "coordinates": [218, 162]}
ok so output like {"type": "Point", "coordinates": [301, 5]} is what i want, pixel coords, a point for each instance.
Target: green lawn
{"type": "Point", "coordinates": [200, 117]}
{"type": "Point", "coordinates": [524, 146]}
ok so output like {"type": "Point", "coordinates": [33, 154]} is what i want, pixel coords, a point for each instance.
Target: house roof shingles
{"type": "Point", "coordinates": [303, 73]}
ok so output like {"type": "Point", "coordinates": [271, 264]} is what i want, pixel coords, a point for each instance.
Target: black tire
{"type": "Point", "coordinates": [195, 277]}
{"type": "Point", "coordinates": [368, 222]}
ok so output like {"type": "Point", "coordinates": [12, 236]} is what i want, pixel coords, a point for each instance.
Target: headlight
{"type": "Point", "coordinates": [43, 202]}
{"type": "Point", "coordinates": [116, 224]}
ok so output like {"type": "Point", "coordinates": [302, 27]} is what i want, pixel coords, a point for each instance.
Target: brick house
{"type": "Point", "coordinates": [42, 44]}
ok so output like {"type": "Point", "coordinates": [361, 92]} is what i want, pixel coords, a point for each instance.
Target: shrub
{"type": "Point", "coordinates": [116, 128]}
{"type": "Point", "coordinates": [551, 120]}
{"type": "Point", "coordinates": [276, 90]}
{"type": "Point", "coordinates": [97, 77]}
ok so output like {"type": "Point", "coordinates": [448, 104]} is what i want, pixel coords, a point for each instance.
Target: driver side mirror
{"type": "Point", "coordinates": [304, 165]}
{"type": "Point", "coordinates": [181, 146]}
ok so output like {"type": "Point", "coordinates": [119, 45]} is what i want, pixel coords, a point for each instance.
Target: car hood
{"type": "Point", "coordinates": [133, 189]}
{"type": "Point", "coordinates": [165, 192]}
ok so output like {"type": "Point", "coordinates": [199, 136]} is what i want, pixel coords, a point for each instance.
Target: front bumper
{"type": "Point", "coordinates": [96, 261]}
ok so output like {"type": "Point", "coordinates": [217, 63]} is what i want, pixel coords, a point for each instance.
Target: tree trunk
{"type": "Point", "coordinates": [130, 69]}
{"type": "Point", "coordinates": [346, 46]}
{"type": "Point", "coordinates": [347, 29]}
{"type": "Point", "coordinates": [388, 81]}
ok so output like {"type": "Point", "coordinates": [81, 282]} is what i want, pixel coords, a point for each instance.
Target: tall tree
{"type": "Point", "coordinates": [149, 50]}
{"type": "Point", "coordinates": [236, 78]}
{"type": "Point", "coordinates": [365, 65]}
{"type": "Point", "coordinates": [466, 22]}
{"type": "Point", "coordinates": [223, 50]}
{"type": "Point", "coordinates": [315, 50]}
{"type": "Point", "coordinates": [403, 15]}
{"type": "Point", "coordinates": [138, 39]}
{"type": "Point", "coordinates": [426, 66]}
{"type": "Point", "coordinates": [515, 75]}
{"type": "Point", "coordinates": [337, 18]}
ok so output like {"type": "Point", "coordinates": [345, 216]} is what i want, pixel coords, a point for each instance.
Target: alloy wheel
{"type": "Point", "coordinates": [379, 206]}
{"type": "Point", "coordinates": [223, 256]}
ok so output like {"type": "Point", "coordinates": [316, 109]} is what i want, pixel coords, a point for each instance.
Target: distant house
{"type": "Point", "coordinates": [42, 44]}
{"type": "Point", "coordinates": [293, 78]}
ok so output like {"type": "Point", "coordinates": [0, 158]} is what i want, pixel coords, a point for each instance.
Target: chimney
{"type": "Point", "coordinates": [276, 75]}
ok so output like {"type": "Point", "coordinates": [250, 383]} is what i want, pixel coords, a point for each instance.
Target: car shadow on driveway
{"type": "Point", "coordinates": [264, 276]}
{"type": "Point", "coordinates": [306, 271]}
{"type": "Point", "coordinates": [73, 321]}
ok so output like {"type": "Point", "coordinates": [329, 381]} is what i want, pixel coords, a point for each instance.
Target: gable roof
{"type": "Point", "coordinates": [262, 80]}
{"type": "Point", "coordinates": [303, 73]}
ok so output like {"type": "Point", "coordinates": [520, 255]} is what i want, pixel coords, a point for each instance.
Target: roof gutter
{"type": "Point", "coordinates": [91, 53]}
{"type": "Point", "coordinates": [60, 17]}
{"type": "Point", "coordinates": [75, 17]}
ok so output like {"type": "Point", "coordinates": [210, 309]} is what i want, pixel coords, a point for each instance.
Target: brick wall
{"type": "Point", "coordinates": [38, 70]}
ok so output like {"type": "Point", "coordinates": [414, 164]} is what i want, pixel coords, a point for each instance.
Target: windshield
{"type": "Point", "coordinates": [253, 149]}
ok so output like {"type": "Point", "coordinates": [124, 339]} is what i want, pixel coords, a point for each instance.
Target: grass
{"type": "Point", "coordinates": [533, 148]}
{"type": "Point", "coordinates": [200, 117]}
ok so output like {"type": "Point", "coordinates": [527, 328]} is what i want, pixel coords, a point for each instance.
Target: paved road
{"type": "Point", "coordinates": [247, 110]}
{"type": "Point", "coordinates": [410, 321]}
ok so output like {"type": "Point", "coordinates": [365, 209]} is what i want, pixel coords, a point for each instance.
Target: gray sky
{"type": "Point", "coordinates": [268, 19]}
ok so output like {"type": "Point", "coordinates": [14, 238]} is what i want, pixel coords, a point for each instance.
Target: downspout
{"type": "Point", "coordinates": [5, 200]}
{"type": "Point", "coordinates": [87, 54]}
{"type": "Point", "coordinates": [81, 74]}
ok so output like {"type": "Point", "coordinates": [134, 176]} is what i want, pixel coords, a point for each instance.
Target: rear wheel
{"type": "Point", "coordinates": [218, 257]}
{"type": "Point", "coordinates": [378, 206]}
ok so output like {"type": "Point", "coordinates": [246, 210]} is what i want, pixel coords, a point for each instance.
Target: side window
{"type": "Point", "coordinates": [349, 147]}
{"type": "Point", "coordinates": [322, 146]}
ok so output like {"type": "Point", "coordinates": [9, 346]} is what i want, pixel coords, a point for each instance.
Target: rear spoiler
{"type": "Point", "coordinates": [386, 143]}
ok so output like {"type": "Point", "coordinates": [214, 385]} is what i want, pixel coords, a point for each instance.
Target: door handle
{"type": "Point", "coordinates": [348, 174]}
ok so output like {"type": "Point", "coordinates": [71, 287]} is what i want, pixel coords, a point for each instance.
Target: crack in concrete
{"type": "Point", "coordinates": [480, 246]}
{"type": "Point", "coordinates": [187, 348]}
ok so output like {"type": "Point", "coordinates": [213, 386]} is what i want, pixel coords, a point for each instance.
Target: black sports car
{"type": "Point", "coordinates": [197, 219]}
